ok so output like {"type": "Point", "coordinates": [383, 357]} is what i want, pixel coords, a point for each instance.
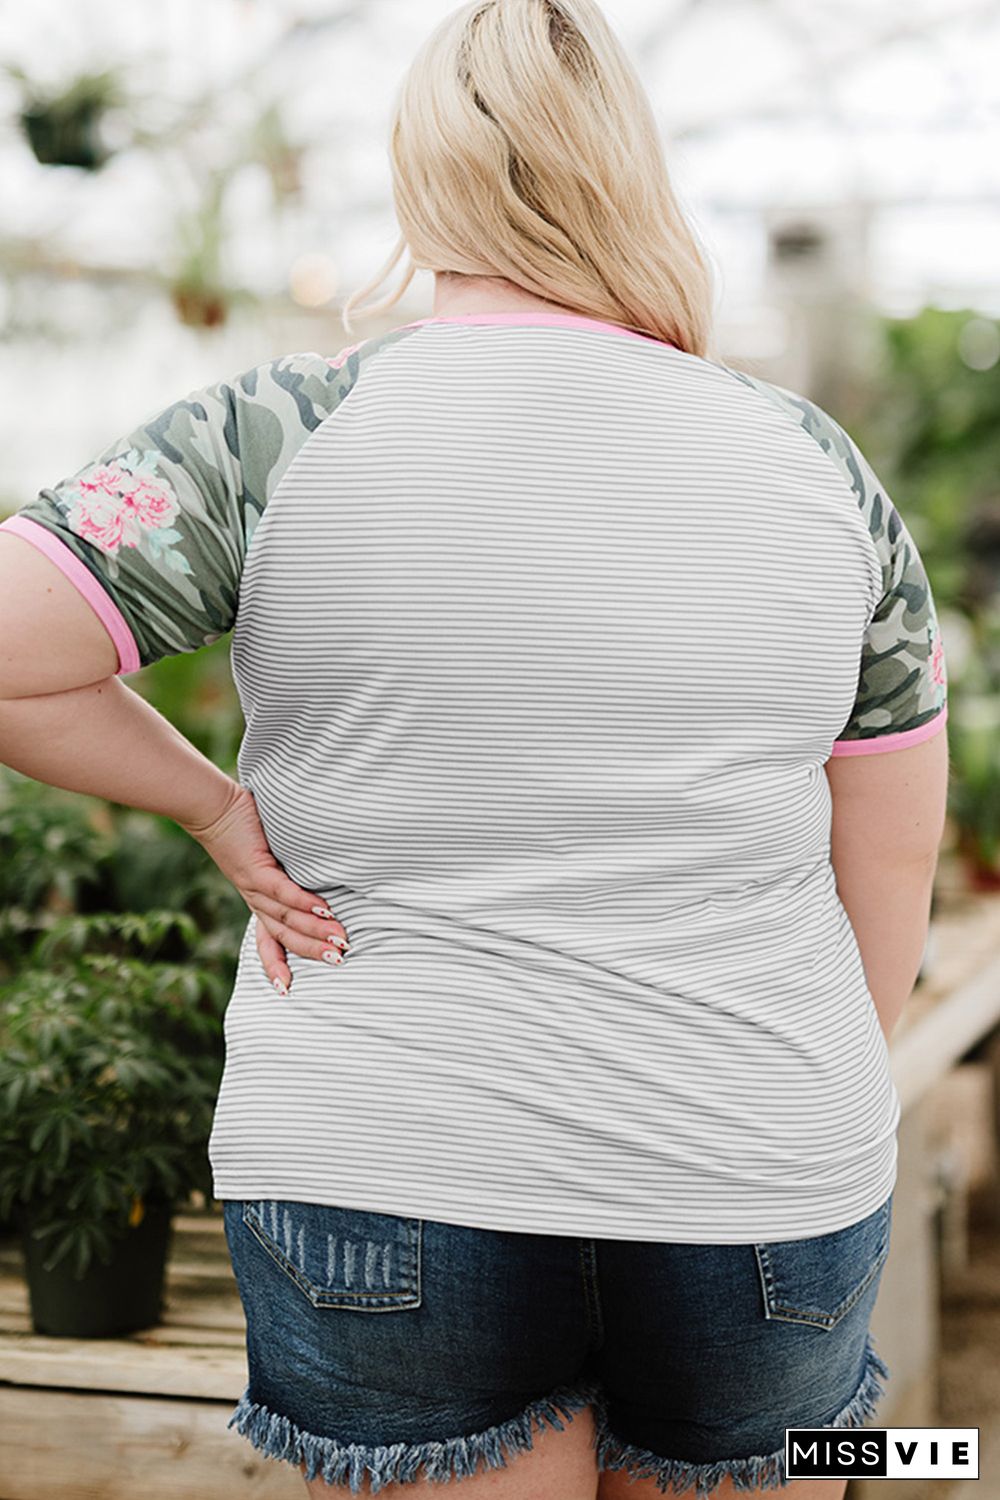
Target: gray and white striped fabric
{"type": "Point", "coordinates": [543, 640]}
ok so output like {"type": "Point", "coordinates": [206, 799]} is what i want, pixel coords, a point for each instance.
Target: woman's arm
{"type": "Point", "coordinates": [887, 824]}
{"type": "Point", "coordinates": [106, 740]}
{"type": "Point", "coordinates": [66, 720]}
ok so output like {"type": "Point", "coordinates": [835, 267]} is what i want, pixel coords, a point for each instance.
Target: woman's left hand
{"type": "Point", "coordinates": [289, 919]}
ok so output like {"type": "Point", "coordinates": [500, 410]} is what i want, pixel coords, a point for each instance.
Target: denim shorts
{"type": "Point", "coordinates": [388, 1349]}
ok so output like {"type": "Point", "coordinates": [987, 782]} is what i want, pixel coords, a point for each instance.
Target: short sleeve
{"type": "Point", "coordinates": [154, 531]}
{"type": "Point", "coordinates": [902, 683]}
{"type": "Point", "coordinates": [901, 696]}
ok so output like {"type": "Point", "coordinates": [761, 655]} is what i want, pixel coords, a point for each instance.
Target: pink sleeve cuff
{"type": "Point", "coordinates": [891, 741]}
{"type": "Point", "coordinates": [99, 600]}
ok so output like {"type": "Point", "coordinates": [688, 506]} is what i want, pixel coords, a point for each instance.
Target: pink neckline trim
{"type": "Point", "coordinates": [543, 319]}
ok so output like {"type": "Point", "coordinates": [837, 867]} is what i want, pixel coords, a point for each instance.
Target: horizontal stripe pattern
{"type": "Point", "coordinates": [543, 640]}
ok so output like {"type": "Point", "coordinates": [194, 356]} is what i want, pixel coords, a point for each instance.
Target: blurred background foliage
{"type": "Point", "coordinates": [928, 424]}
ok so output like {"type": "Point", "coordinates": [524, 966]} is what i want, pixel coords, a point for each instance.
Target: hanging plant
{"type": "Point", "coordinates": [270, 146]}
{"type": "Point", "coordinates": [64, 127]}
{"type": "Point", "coordinates": [198, 287]}
{"type": "Point", "coordinates": [199, 306]}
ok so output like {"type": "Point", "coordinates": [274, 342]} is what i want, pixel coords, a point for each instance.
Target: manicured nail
{"type": "Point", "coordinates": [280, 985]}
{"type": "Point", "coordinates": [334, 937]}
{"type": "Point", "coordinates": [324, 911]}
{"type": "Point", "coordinates": [331, 956]}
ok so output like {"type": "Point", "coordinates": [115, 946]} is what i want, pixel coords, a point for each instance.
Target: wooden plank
{"type": "Point", "coordinates": [964, 937]}
{"type": "Point", "coordinates": [202, 1370]}
{"type": "Point", "coordinates": [99, 1447]}
{"type": "Point", "coordinates": [119, 1365]}
{"type": "Point", "coordinates": [931, 1046]}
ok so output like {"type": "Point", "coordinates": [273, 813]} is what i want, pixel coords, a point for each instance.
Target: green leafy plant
{"type": "Point", "coordinates": [49, 840]}
{"type": "Point", "coordinates": [928, 422]}
{"type": "Point", "coordinates": [53, 845]}
{"type": "Point", "coordinates": [62, 125]}
{"type": "Point", "coordinates": [110, 1061]}
{"type": "Point", "coordinates": [974, 804]}
{"type": "Point", "coordinates": [974, 750]}
{"type": "Point", "coordinates": [61, 852]}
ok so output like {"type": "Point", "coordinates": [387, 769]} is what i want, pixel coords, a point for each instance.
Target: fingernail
{"type": "Point", "coordinates": [324, 911]}
{"type": "Point", "coordinates": [331, 956]}
{"type": "Point", "coordinates": [334, 937]}
{"type": "Point", "coordinates": [280, 985]}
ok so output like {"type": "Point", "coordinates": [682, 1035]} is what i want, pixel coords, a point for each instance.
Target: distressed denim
{"type": "Point", "coordinates": [391, 1349]}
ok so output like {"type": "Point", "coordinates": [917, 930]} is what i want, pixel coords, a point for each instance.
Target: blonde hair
{"type": "Point", "coordinates": [523, 145]}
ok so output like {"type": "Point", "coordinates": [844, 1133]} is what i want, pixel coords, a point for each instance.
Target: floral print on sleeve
{"type": "Point", "coordinates": [163, 518]}
{"type": "Point", "coordinates": [124, 503]}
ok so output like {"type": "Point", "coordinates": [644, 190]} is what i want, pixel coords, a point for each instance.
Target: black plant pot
{"type": "Point", "coordinates": [108, 1300]}
{"type": "Point", "coordinates": [66, 136]}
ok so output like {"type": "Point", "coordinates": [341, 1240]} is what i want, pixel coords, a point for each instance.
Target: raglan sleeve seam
{"type": "Point", "coordinates": [873, 507]}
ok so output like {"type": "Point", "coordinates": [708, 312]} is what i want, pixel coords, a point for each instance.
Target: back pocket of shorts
{"type": "Point", "coordinates": [818, 1280]}
{"type": "Point", "coordinates": [341, 1257]}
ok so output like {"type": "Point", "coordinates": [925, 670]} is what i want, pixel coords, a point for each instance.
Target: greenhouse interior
{"type": "Point", "coordinates": [194, 189]}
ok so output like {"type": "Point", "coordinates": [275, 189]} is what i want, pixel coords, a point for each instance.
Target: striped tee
{"type": "Point", "coordinates": [543, 631]}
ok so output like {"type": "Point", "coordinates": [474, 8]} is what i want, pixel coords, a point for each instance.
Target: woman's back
{"type": "Point", "coordinates": [543, 632]}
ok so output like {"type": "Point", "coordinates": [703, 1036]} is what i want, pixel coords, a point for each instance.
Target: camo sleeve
{"type": "Point", "coordinates": [902, 689]}
{"type": "Point", "coordinates": [902, 684]}
{"type": "Point", "coordinates": [154, 531]}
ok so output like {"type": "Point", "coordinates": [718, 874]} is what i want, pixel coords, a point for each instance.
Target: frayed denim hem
{"type": "Point", "coordinates": [339, 1463]}
{"type": "Point", "coordinates": [762, 1471]}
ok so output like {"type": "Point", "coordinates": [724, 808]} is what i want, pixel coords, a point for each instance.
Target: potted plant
{"type": "Point", "coordinates": [109, 1067]}
{"type": "Point", "coordinates": [63, 126]}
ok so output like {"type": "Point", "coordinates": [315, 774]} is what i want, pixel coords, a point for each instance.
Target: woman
{"type": "Point", "coordinates": [594, 691]}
